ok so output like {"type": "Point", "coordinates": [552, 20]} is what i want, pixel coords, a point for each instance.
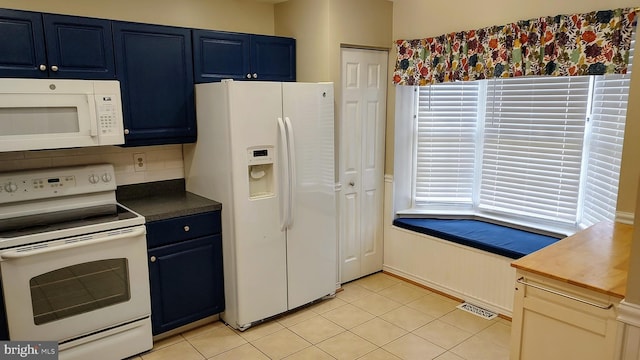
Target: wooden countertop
{"type": "Point", "coordinates": [596, 258]}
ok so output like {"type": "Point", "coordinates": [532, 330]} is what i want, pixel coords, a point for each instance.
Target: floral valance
{"type": "Point", "coordinates": [565, 45]}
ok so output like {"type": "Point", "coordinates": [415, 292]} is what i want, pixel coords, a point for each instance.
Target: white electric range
{"type": "Point", "coordinates": [74, 263]}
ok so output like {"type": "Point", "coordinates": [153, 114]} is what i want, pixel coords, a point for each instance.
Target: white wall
{"type": "Point", "coordinates": [230, 15]}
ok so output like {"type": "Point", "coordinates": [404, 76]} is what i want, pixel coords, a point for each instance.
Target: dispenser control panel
{"type": "Point", "coordinates": [260, 155]}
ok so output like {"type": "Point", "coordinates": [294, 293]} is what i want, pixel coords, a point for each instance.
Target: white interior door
{"type": "Point", "coordinates": [362, 126]}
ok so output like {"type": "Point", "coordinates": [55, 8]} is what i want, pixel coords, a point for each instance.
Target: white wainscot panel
{"type": "Point", "coordinates": [476, 276]}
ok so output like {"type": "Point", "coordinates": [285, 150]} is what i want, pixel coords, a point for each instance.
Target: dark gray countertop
{"type": "Point", "coordinates": [163, 200]}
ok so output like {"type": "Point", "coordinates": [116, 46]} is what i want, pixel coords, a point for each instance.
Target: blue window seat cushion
{"type": "Point", "coordinates": [497, 239]}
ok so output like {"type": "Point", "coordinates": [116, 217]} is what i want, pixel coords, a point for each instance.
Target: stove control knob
{"type": "Point", "coordinates": [11, 187]}
{"type": "Point", "coordinates": [93, 178]}
{"type": "Point", "coordinates": [106, 177]}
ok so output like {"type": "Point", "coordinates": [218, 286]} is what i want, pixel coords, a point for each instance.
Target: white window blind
{"type": "Point", "coordinates": [606, 134]}
{"type": "Point", "coordinates": [446, 143]}
{"type": "Point", "coordinates": [536, 151]}
{"type": "Point", "coordinates": [533, 140]}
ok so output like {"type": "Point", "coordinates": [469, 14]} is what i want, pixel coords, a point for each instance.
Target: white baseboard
{"type": "Point", "coordinates": [449, 291]}
{"type": "Point", "coordinates": [625, 217]}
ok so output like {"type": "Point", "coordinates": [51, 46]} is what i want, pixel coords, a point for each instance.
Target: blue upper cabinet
{"type": "Point", "coordinates": [21, 44]}
{"type": "Point", "coordinates": [44, 45]}
{"type": "Point", "coordinates": [273, 58]}
{"type": "Point", "coordinates": [221, 55]}
{"type": "Point", "coordinates": [155, 69]}
{"type": "Point", "coordinates": [79, 48]}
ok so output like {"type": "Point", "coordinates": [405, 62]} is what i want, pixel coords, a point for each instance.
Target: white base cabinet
{"type": "Point", "coordinates": [556, 320]}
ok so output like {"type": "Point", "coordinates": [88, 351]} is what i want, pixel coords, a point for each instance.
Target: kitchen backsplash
{"type": "Point", "coordinates": [159, 163]}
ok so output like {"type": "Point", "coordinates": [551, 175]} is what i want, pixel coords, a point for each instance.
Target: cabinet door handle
{"type": "Point", "coordinates": [153, 259]}
{"type": "Point", "coordinates": [255, 76]}
{"type": "Point", "coordinates": [54, 68]}
{"type": "Point", "coordinates": [248, 76]}
{"type": "Point", "coordinates": [42, 67]}
{"type": "Point", "coordinates": [126, 131]}
{"type": "Point", "coordinates": [603, 307]}
{"type": "Point", "coordinates": [186, 228]}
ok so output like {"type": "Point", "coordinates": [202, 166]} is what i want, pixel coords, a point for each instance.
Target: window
{"type": "Point", "coordinates": [446, 143]}
{"type": "Point", "coordinates": [542, 152]}
{"type": "Point", "coordinates": [533, 145]}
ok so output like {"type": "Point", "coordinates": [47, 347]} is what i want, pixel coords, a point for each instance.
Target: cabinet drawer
{"type": "Point", "coordinates": [182, 228]}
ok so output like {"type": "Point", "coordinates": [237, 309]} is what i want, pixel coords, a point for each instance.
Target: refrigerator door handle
{"type": "Point", "coordinates": [292, 169]}
{"type": "Point", "coordinates": [284, 181]}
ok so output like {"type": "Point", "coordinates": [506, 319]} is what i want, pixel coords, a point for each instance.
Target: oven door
{"type": "Point", "coordinates": [63, 289]}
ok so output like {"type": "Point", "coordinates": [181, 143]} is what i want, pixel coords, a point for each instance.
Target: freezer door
{"type": "Point", "coordinates": [311, 234]}
{"type": "Point", "coordinates": [260, 247]}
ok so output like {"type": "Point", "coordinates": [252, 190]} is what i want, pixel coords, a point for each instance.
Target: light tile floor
{"type": "Point", "coordinates": [376, 317]}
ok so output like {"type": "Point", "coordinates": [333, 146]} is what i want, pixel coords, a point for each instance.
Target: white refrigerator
{"type": "Point", "coordinates": [265, 150]}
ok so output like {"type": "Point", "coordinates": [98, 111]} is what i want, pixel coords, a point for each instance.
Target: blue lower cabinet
{"type": "Point", "coordinates": [186, 280]}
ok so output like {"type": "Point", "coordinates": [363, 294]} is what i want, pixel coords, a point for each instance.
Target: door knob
{"type": "Point", "coordinates": [351, 183]}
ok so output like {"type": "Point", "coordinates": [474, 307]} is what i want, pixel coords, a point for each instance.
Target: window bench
{"type": "Point", "coordinates": [449, 256]}
{"type": "Point", "coordinates": [497, 239]}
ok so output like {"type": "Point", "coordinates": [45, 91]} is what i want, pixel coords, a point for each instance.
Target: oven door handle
{"type": "Point", "coordinates": [15, 254]}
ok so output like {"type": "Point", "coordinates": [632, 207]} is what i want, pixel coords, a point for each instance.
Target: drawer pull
{"type": "Point", "coordinates": [604, 307]}
{"type": "Point", "coordinates": [186, 228]}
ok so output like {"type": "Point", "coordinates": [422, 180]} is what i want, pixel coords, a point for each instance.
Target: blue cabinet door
{"type": "Point", "coordinates": [273, 58]}
{"type": "Point", "coordinates": [186, 282]}
{"type": "Point", "coordinates": [22, 50]}
{"type": "Point", "coordinates": [39, 45]}
{"type": "Point", "coordinates": [220, 55]}
{"type": "Point", "coordinates": [79, 48]}
{"type": "Point", "coordinates": [155, 69]}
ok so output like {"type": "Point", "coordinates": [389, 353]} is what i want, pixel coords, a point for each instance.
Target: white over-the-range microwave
{"type": "Point", "coordinates": [38, 114]}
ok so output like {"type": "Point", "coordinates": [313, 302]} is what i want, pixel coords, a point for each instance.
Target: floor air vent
{"type": "Point", "coordinates": [476, 310]}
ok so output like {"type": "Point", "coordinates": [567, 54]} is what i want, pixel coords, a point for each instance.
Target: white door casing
{"type": "Point", "coordinates": [362, 127]}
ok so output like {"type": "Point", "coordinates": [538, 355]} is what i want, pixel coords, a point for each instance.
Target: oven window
{"type": "Point", "coordinates": [79, 289]}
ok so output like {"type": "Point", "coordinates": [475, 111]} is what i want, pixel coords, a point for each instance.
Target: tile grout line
{"type": "Point", "coordinates": [370, 291]}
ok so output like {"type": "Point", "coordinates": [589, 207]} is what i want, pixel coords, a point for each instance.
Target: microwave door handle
{"type": "Point", "coordinates": [9, 255]}
{"type": "Point", "coordinates": [93, 123]}
{"type": "Point", "coordinates": [93, 130]}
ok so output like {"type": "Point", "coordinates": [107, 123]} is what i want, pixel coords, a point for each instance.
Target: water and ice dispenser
{"type": "Point", "coordinates": [260, 171]}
